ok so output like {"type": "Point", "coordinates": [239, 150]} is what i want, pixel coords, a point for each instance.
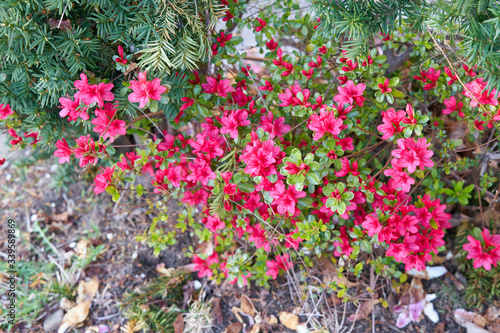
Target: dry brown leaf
{"type": "Point", "coordinates": [330, 273]}
{"type": "Point", "coordinates": [236, 311]}
{"type": "Point", "coordinates": [87, 290]}
{"type": "Point", "coordinates": [39, 279]}
{"type": "Point", "coordinates": [473, 322]}
{"type": "Point", "coordinates": [491, 314]}
{"type": "Point", "coordinates": [217, 311]}
{"type": "Point", "coordinates": [81, 248]}
{"type": "Point", "coordinates": [255, 329]}
{"type": "Point", "coordinates": [63, 217]}
{"type": "Point", "coordinates": [234, 328]}
{"type": "Point", "coordinates": [75, 316]}
{"type": "Point", "coordinates": [66, 304]}
{"type": "Point", "coordinates": [364, 310]}
{"type": "Point", "coordinates": [247, 306]}
{"type": "Point", "coordinates": [271, 320]}
{"type": "Point", "coordinates": [289, 320]}
{"type": "Point", "coordinates": [160, 268]}
{"type": "Point", "coordinates": [133, 326]}
{"type": "Point", "coordinates": [178, 324]}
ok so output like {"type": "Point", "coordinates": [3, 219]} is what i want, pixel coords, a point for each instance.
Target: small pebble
{"type": "Point", "coordinates": [8, 176]}
{"type": "Point", "coordinates": [109, 236]}
{"type": "Point", "coordinates": [134, 255]}
{"type": "Point", "coordinates": [142, 275]}
{"type": "Point", "coordinates": [52, 322]}
{"type": "Point", "coordinates": [72, 245]}
{"type": "Point", "coordinates": [34, 217]}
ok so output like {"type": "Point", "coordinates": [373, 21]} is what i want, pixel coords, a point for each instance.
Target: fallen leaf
{"type": "Point", "coordinates": [289, 320]}
{"type": "Point", "coordinates": [255, 329]}
{"type": "Point", "coordinates": [61, 24]}
{"type": "Point", "coordinates": [234, 328]}
{"type": "Point", "coordinates": [63, 217]}
{"type": "Point", "coordinates": [364, 310]}
{"type": "Point", "coordinates": [75, 316]}
{"type": "Point", "coordinates": [430, 272]}
{"type": "Point", "coordinates": [87, 290]}
{"type": "Point", "coordinates": [491, 314]}
{"type": "Point", "coordinates": [247, 306]}
{"type": "Point", "coordinates": [331, 274]}
{"type": "Point", "coordinates": [81, 248]}
{"type": "Point", "coordinates": [178, 324]}
{"type": "Point", "coordinates": [160, 268]}
{"type": "Point", "coordinates": [473, 322]}
{"type": "Point", "coordinates": [66, 304]}
{"type": "Point", "coordinates": [271, 320]}
{"type": "Point", "coordinates": [217, 311]}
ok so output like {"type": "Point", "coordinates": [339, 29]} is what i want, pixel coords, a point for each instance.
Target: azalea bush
{"type": "Point", "coordinates": [305, 153]}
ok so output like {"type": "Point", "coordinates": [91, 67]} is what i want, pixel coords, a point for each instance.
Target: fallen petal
{"type": "Point", "coordinates": [431, 313]}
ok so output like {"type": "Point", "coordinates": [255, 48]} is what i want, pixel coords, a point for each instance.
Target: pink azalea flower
{"type": "Point", "coordinates": [272, 269]}
{"type": "Point", "coordinates": [70, 107]}
{"type": "Point", "coordinates": [214, 223]}
{"type": "Point", "coordinates": [412, 154]}
{"type": "Point", "coordinates": [5, 111]}
{"type": "Point", "coordinates": [453, 105]}
{"type": "Point", "coordinates": [475, 92]}
{"type": "Point", "coordinates": [17, 139]}
{"type": "Point", "coordinates": [96, 93]}
{"type": "Point", "coordinates": [350, 94]}
{"type": "Point", "coordinates": [64, 152]}
{"type": "Point", "coordinates": [103, 180]}
{"type": "Point", "coordinates": [233, 121]}
{"type": "Point", "coordinates": [260, 157]}
{"type": "Point", "coordinates": [384, 87]}
{"type": "Point", "coordinates": [274, 127]}
{"type": "Point", "coordinates": [286, 199]}
{"type": "Point", "coordinates": [144, 91]}
{"type": "Point", "coordinates": [324, 123]}
{"type": "Point", "coordinates": [107, 127]}
{"type": "Point", "coordinates": [200, 171]}
{"type": "Point", "coordinates": [220, 88]}
{"type": "Point", "coordinates": [124, 164]}
{"type": "Point", "coordinates": [289, 97]}
{"type": "Point", "coordinates": [391, 123]}
{"type": "Point", "coordinates": [371, 225]}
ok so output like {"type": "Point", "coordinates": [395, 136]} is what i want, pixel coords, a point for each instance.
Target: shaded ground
{"type": "Point", "coordinates": [125, 264]}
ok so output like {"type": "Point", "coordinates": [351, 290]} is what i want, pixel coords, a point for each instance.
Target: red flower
{"type": "Point", "coordinates": [73, 109]}
{"type": "Point", "coordinates": [274, 127]}
{"type": "Point", "coordinates": [196, 78]}
{"type": "Point", "coordinates": [371, 225]}
{"type": "Point", "coordinates": [347, 169]}
{"type": "Point", "coordinates": [64, 152]}
{"type": "Point", "coordinates": [124, 164]}
{"type": "Point", "coordinates": [324, 123]}
{"type": "Point", "coordinates": [323, 49]}
{"type": "Point", "coordinates": [271, 45]}
{"type": "Point", "coordinates": [5, 111]}
{"type": "Point", "coordinates": [214, 223]}
{"type": "Point", "coordinates": [200, 171]}
{"type": "Point", "coordinates": [350, 94]}
{"type": "Point", "coordinates": [223, 38]}
{"type": "Point", "coordinates": [220, 88]}
{"type": "Point", "coordinates": [484, 254]}
{"type": "Point", "coordinates": [411, 119]}
{"type": "Point", "coordinates": [103, 180]}
{"type": "Point", "coordinates": [286, 199]}
{"type": "Point", "coordinates": [85, 150]}
{"type": "Point", "coordinates": [260, 157]}
{"type": "Point", "coordinates": [33, 135]}
{"type": "Point", "coordinates": [308, 73]}
{"type": "Point", "coordinates": [93, 93]}
{"type": "Point", "coordinates": [292, 97]}
{"type": "Point", "coordinates": [386, 38]}
{"type": "Point", "coordinates": [384, 87]}
{"type": "Point", "coordinates": [433, 76]}
{"type": "Point", "coordinates": [121, 59]}
{"type": "Point", "coordinates": [272, 269]}
{"type": "Point", "coordinates": [453, 105]}
{"type": "Point", "coordinates": [268, 86]}
{"type": "Point", "coordinates": [350, 66]}
{"type": "Point", "coordinates": [343, 80]}
{"type": "Point", "coordinates": [313, 64]}
{"type": "Point", "coordinates": [188, 103]}
{"type": "Point", "coordinates": [231, 123]}
{"type": "Point", "coordinates": [478, 95]}
{"type": "Point", "coordinates": [228, 16]}
{"type": "Point", "coordinates": [399, 178]}
{"type": "Point", "coordinates": [107, 126]}
{"type": "Point", "coordinates": [144, 91]}
{"type": "Point", "coordinates": [263, 23]}
{"type": "Point", "coordinates": [469, 71]}
{"type": "Point", "coordinates": [412, 154]}
{"type": "Point", "coordinates": [17, 139]}
{"type": "Point", "coordinates": [453, 78]}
